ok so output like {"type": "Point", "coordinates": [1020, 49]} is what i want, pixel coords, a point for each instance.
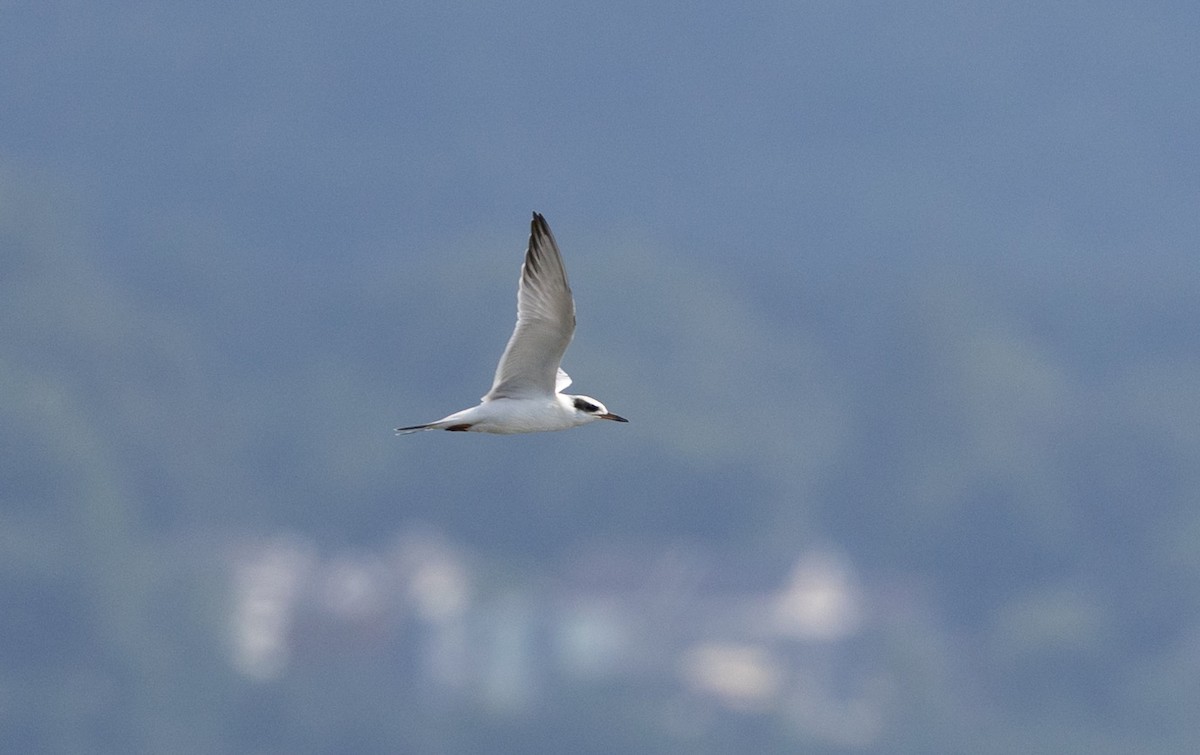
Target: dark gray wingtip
{"type": "Point", "coordinates": [542, 247]}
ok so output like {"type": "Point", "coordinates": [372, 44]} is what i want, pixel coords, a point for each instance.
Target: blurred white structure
{"type": "Point", "coordinates": [267, 579]}
{"type": "Point", "coordinates": [704, 634]}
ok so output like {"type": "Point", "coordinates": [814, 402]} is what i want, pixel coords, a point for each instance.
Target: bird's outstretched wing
{"type": "Point", "coordinates": [545, 322]}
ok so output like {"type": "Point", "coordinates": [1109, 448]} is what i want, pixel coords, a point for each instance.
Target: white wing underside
{"type": "Point", "coordinates": [545, 323]}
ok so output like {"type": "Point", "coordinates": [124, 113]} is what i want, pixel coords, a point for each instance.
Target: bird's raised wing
{"type": "Point", "coordinates": [545, 322]}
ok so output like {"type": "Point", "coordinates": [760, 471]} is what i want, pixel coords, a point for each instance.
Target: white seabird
{"type": "Point", "coordinates": [526, 394]}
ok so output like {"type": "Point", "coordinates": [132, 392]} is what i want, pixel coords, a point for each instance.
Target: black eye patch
{"type": "Point", "coordinates": [584, 406]}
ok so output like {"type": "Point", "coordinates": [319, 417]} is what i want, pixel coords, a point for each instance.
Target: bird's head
{"type": "Point", "coordinates": [587, 409]}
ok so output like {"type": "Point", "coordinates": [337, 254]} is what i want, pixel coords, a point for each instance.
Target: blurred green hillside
{"type": "Point", "coordinates": [1028, 464]}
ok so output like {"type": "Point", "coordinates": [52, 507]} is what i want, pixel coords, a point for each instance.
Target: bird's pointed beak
{"type": "Point", "coordinates": [613, 417]}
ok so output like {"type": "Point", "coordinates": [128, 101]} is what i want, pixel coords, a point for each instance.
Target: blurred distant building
{"type": "Point", "coordinates": [697, 633]}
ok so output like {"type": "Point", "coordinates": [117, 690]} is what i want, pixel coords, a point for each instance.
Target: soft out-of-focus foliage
{"type": "Point", "coordinates": [1024, 525]}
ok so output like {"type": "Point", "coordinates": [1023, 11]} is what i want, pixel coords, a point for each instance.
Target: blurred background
{"type": "Point", "coordinates": [901, 300]}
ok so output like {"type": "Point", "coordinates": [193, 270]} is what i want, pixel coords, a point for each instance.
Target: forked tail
{"type": "Point", "coordinates": [439, 425]}
{"type": "Point", "coordinates": [414, 429]}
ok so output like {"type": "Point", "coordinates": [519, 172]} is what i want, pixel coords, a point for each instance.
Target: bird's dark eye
{"type": "Point", "coordinates": [584, 406]}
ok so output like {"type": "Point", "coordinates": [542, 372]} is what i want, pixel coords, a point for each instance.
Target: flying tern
{"type": "Point", "coordinates": [526, 394]}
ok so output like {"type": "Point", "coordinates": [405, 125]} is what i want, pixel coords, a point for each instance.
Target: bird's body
{"type": "Point", "coordinates": [526, 394]}
{"type": "Point", "coordinates": [508, 416]}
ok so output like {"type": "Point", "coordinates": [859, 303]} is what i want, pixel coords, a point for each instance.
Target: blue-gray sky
{"type": "Point", "coordinates": [773, 133]}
